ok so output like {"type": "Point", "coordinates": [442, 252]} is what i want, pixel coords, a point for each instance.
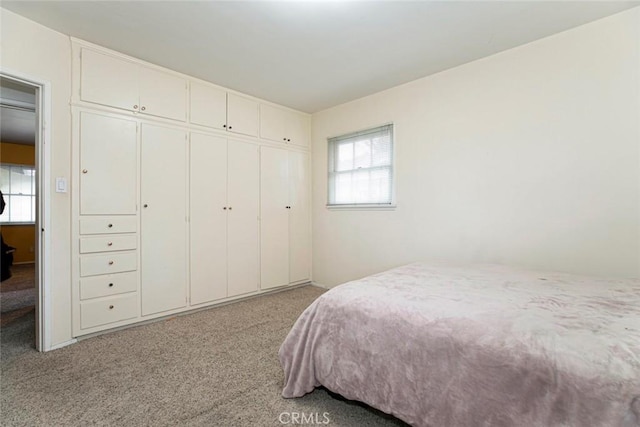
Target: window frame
{"type": "Point", "coordinates": [33, 196]}
{"type": "Point", "coordinates": [331, 173]}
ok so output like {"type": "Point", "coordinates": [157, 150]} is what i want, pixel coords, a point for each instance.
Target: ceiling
{"type": "Point", "coordinates": [17, 113]}
{"type": "Point", "coordinates": [312, 55]}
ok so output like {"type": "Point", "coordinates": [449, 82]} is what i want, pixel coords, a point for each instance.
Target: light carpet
{"type": "Point", "coordinates": [217, 367]}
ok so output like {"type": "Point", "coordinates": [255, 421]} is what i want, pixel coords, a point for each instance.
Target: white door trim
{"type": "Point", "coordinates": [43, 191]}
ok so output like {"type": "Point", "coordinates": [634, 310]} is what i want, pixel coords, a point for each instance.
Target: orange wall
{"type": "Point", "coordinates": [22, 237]}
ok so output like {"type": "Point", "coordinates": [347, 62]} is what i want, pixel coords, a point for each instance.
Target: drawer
{"type": "Point", "coordinates": [92, 265]}
{"type": "Point", "coordinates": [108, 224]}
{"type": "Point", "coordinates": [108, 243]}
{"type": "Point", "coordinates": [108, 310]}
{"type": "Point", "coordinates": [110, 284]}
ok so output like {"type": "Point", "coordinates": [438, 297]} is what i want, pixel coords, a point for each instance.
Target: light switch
{"type": "Point", "coordinates": [61, 184]}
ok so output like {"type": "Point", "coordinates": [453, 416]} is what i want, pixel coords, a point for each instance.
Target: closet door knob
{"type": "Point", "coordinates": [110, 262]}
{"type": "Point", "coordinates": [135, 107]}
{"type": "Point", "coordinates": [84, 171]}
{"type": "Point", "coordinates": [288, 140]}
{"type": "Point", "coordinates": [145, 205]}
{"type": "Point", "coordinates": [110, 307]}
{"type": "Point", "coordinates": [284, 139]}
{"type": "Point", "coordinates": [111, 285]}
{"type": "Point", "coordinates": [229, 127]}
{"type": "Point", "coordinates": [110, 244]}
{"type": "Point", "coordinates": [230, 208]}
{"type": "Point", "coordinates": [110, 225]}
{"type": "Point", "coordinates": [224, 126]}
{"type": "Point", "coordinates": [225, 208]}
{"type": "Point", "coordinates": [143, 108]}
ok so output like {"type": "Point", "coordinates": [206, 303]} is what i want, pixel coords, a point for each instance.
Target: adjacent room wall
{"type": "Point", "coordinates": [20, 236]}
{"type": "Point", "coordinates": [37, 51]}
{"type": "Point", "coordinates": [529, 157]}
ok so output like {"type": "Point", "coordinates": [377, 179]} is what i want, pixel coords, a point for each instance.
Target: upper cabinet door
{"type": "Point", "coordinates": [242, 115]}
{"type": "Point", "coordinates": [272, 123]}
{"type": "Point", "coordinates": [162, 94]}
{"type": "Point", "coordinates": [299, 126]}
{"type": "Point", "coordinates": [109, 81]}
{"type": "Point", "coordinates": [108, 165]}
{"type": "Point", "coordinates": [208, 106]}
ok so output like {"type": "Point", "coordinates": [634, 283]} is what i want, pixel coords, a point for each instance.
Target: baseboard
{"type": "Point", "coordinates": [320, 285]}
{"type": "Point", "coordinates": [62, 344]}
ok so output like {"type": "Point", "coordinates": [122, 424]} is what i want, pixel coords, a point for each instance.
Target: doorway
{"type": "Point", "coordinates": [22, 220]}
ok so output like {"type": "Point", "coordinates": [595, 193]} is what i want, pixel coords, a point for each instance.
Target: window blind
{"type": "Point", "coordinates": [361, 168]}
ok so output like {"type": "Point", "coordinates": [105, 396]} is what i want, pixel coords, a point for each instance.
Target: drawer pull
{"type": "Point", "coordinates": [84, 171]}
{"type": "Point", "coordinates": [110, 262]}
{"type": "Point", "coordinates": [110, 225]}
{"type": "Point", "coordinates": [111, 285]}
{"type": "Point", "coordinates": [110, 244]}
{"type": "Point", "coordinates": [110, 307]}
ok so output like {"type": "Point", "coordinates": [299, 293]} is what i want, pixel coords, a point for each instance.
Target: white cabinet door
{"type": "Point", "coordinates": [274, 217]}
{"type": "Point", "coordinates": [108, 80]}
{"type": "Point", "coordinates": [108, 165]}
{"type": "Point", "coordinates": [208, 106]}
{"type": "Point", "coordinates": [208, 213]}
{"type": "Point", "coordinates": [163, 219]}
{"type": "Point", "coordinates": [299, 128]}
{"type": "Point", "coordinates": [242, 218]}
{"type": "Point", "coordinates": [162, 94]}
{"type": "Point", "coordinates": [299, 218]}
{"type": "Point", "coordinates": [242, 115]}
{"type": "Point", "coordinates": [272, 123]}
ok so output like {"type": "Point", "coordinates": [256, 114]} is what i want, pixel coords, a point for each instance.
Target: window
{"type": "Point", "coordinates": [361, 169]}
{"type": "Point", "coordinates": [18, 184]}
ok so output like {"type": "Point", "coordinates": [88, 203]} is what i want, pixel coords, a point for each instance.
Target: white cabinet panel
{"type": "Point", "coordinates": [108, 80]}
{"type": "Point", "coordinates": [208, 106]}
{"type": "Point", "coordinates": [242, 218]}
{"type": "Point", "coordinates": [116, 262]}
{"type": "Point", "coordinates": [162, 94]}
{"type": "Point", "coordinates": [242, 115]}
{"type": "Point", "coordinates": [163, 219]}
{"type": "Point", "coordinates": [108, 224]}
{"type": "Point", "coordinates": [108, 165]}
{"type": "Point", "coordinates": [299, 218]}
{"type": "Point", "coordinates": [299, 129]}
{"type": "Point", "coordinates": [117, 242]}
{"type": "Point", "coordinates": [108, 310]}
{"type": "Point", "coordinates": [109, 284]}
{"type": "Point", "coordinates": [274, 216]}
{"type": "Point", "coordinates": [272, 123]}
{"type": "Point", "coordinates": [208, 213]}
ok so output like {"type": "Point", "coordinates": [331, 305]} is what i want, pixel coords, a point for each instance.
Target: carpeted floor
{"type": "Point", "coordinates": [217, 367]}
{"type": "Point", "coordinates": [18, 294]}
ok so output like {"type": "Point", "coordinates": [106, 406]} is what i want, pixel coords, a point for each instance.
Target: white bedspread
{"type": "Point", "coordinates": [441, 345]}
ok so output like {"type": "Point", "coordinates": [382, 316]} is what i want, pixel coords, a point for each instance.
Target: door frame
{"type": "Point", "coordinates": [43, 204]}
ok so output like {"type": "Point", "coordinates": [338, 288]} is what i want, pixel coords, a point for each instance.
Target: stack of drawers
{"type": "Point", "coordinates": [108, 270]}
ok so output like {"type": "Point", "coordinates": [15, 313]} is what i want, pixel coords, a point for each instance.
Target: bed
{"type": "Point", "coordinates": [443, 345]}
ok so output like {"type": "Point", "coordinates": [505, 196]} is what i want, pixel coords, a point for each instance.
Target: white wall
{"type": "Point", "coordinates": [530, 157]}
{"type": "Point", "coordinates": [37, 51]}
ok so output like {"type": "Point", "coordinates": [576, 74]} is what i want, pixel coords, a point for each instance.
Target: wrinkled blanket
{"type": "Point", "coordinates": [441, 345]}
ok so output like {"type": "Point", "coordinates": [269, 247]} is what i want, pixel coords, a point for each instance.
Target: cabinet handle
{"type": "Point", "coordinates": [111, 285]}
{"type": "Point", "coordinates": [229, 127]}
{"type": "Point", "coordinates": [110, 262]}
{"type": "Point", "coordinates": [135, 107]}
{"type": "Point", "coordinates": [110, 307]}
{"type": "Point", "coordinates": [84, 171]}
{"type": "Point", "coordinates": [110, 225]}
{"type": "Point", "coordinates": [145, 205]}
{"type": "Point", "coordinates": [143, 108]}
{"type": "Point", "coordinates": [110, 244]}
{"type": "Point", "coordinates": [224, 208]}
{"type": "Point", "coordinates": [288, 140]}
{"type": "Point", "coordinates": [284, 139]}
{"type": "Point", "coordinates": [230, 208]}
{"type": "Point", "coordinates": [224, 126]}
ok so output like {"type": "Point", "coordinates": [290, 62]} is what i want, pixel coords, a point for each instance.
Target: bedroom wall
{"type": "Point", "coordinates": [529, 157]}
{"type": "Point", "coordinates": [39, 52]}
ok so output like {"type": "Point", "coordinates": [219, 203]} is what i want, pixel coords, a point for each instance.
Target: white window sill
{"type": "Point", "coordinates": [361, 207]}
